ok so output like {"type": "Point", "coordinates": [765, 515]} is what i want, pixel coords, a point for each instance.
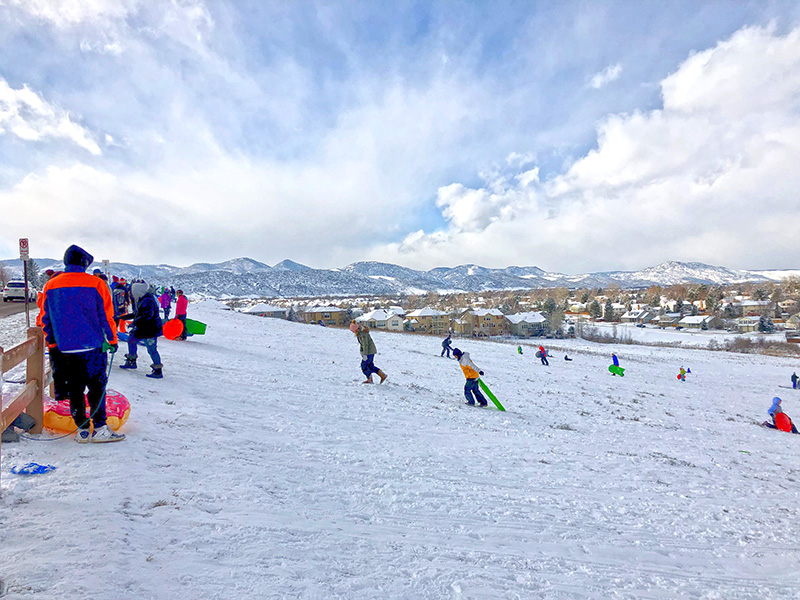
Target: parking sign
{"type": "Point", "coordinates": [23, 249]}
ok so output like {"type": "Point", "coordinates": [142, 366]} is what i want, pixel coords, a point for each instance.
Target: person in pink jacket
{"type": "Point", "coordinates": [180, 312]}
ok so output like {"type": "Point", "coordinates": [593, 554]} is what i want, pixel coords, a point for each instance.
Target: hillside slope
{"type": "Point", "coordinates": [260, 467]}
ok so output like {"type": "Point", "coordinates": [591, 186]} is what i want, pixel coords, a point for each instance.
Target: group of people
{"type": "Point", "coordinates": [80, 314]}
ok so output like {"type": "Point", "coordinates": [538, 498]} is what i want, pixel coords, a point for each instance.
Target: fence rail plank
{"type": "Point", "coordinates": [14, 356]}
{"type": "Point", "coordinates": [19, 403]}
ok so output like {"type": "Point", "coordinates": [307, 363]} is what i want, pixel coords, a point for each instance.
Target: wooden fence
{"type": "Point", "coordinates": [38, 377]}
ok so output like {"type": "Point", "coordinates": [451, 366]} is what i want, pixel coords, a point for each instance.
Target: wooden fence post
{"type": "Point", "coordinates": [35, 372]}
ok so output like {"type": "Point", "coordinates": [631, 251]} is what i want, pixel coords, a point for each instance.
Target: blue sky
{"type": "Point", "coordinates": [575, 136]}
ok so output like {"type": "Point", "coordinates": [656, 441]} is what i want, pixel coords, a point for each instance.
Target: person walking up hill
{"type": "Point", "coordinates": [368, 352]}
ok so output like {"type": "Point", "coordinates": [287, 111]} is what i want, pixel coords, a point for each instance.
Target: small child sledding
{"type": "Point", "coordinates": [615, 369]}
{"type": "Point", "coordinates": [780, 420]}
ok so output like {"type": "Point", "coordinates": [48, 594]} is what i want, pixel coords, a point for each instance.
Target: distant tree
{"type": "Point", "coordinates": [679, 306]}
{"type": "Point", "coordinates": [32, 269]}
{"type": "Point", "coordinates": [608, 313]}
{"type": "Point", "coordinates": [704, 326]}
{"type": "Point", "coordinates": [5, 276]}
{"type": "Point", "coordinates": [594, 310]}
{"type": "Point", "coordinates": [549, 306]}
{"type": "Point", "coordinates": [694, 310]}
{"type": "Point", "coordinates": [760, 294]}
{"type": "Point", "coordinates": [765, 325]}
{"type": "Point", "coordinates": [556, 320]}
{"type": "Point", "coordinates": [585, 297]}
{"type": "Point", "coordinates": [713, 299]}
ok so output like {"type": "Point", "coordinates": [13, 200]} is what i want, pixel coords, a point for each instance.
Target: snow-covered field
{"type": "Point", "coordinates": [683, 338]}
{"type": "Point", "coordinates": [261, 467]}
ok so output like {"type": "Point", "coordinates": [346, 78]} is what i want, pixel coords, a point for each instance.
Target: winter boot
{"type": "Point", "coordinates": [9, 435]}
{"type": "Point", "coordinates": [130, 362]}
{"type": "Point", "coordinates": [368, 380]}
{"type": "Point", "coordinates": [382, 375]}
{"type": "Point", "coordinates": [156, 374]}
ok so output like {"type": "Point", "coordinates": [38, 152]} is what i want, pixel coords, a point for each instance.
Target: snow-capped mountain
{"type": "Point", "coordinates": [248, 277]}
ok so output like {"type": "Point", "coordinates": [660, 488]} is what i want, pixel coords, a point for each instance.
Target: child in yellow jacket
{"type": "Point", "coordinates": [471, 372]}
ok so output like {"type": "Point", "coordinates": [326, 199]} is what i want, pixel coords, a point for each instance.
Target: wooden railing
{"type": "Point", "coordinates": [38, 377]}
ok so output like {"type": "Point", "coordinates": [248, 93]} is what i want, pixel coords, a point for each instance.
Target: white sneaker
{"type": "Point", "coordinates": [82, 436]}
{"type": "Point", "coordinates": [105, 434]}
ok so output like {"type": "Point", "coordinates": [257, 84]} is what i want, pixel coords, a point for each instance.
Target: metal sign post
{"type": "Point", "coordinates": [24, 256]}
{"type": "Point", "coordinates": [105, 267]}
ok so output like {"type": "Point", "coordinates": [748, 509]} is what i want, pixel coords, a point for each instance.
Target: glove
{"type": "Point", "coordinates": [363, 357]}
{"type": "Point", "coordinates": [109, 347]}
{"type": "Point", "coordinates": [481, 372]}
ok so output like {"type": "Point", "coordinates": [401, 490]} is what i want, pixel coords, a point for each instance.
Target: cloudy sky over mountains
{"type": "Point", "coordinates": [573, 136]}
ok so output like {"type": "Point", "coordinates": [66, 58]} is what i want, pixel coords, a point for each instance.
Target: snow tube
{"type": "Point", "coordinates": [783, 422]}
{"type": "Point", "coordinates": [57, 416]}
{"type": "Point", "coordinates": [172, 329]}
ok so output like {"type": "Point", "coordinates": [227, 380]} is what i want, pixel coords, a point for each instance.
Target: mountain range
{"type": "Point", "coordinates": [247, 277]}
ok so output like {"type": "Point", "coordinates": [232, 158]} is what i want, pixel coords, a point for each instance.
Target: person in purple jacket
{"type": "Point", "coordinates": [165, 300]}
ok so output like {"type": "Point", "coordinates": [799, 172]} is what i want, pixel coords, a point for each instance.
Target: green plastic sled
{"type": "Point", "coordinates": [615, 370]}
{"type": "Point", "coordinates": [489, 393]}
{"type": "Point", "coordinates": [195, 327]}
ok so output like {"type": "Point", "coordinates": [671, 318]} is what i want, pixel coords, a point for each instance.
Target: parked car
{"type": "Point", "coordinates": [640, 325]}
{"type": "Point", "coordinates": [15, 290]}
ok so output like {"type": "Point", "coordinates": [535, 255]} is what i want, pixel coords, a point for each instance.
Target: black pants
{"type": "Point", "coordinates": [59, 374]}
{"type": "Point", "coordinates": [182, 319]}
{"type": "Point", "coordinates": [86, 370]}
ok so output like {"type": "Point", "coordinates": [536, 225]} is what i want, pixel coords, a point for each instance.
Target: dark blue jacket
{"type": "Point", "coordinates": [146, 321]}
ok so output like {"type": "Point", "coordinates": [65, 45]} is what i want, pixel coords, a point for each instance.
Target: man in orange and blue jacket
{"type": "Point", "coordinates": [78, 317]}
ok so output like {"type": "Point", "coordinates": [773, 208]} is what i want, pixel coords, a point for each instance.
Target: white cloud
{"type": "Point", "coordinates": [200, 201]}
{"type": "Point", "coordinates": [66, 13]}
{"type": "Point", "coordinates": [712, 176]}
{"type": "Point", "coordinates": [28, 116]}
{"type": "Point", "coordinates": [606, 76]}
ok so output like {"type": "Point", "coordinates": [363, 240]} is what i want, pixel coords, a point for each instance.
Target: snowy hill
{"type": "Point", "coordinates": [260, 468]}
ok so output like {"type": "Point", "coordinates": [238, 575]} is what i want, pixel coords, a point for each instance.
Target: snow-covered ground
{"type": "Point", "coordinates": [684, 338]}
{"type": "Point", "coordinates": [260, 467]}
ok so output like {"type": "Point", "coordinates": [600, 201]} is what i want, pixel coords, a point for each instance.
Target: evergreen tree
{"type": "Point", "coordinates": [549, 306]}
{"type": "Point", "coordinates": [594, 310]}
{"type": "Point", "coordinates": [32, 269]}
{"type": "Point", "coordinates": [679, 306]}
{"type": "Point", "coordinates": [608, 314]}
{"type": "Point", "coordinates": [765, 325]}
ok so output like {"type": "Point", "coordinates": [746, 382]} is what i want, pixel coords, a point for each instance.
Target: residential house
{"type": "Point", "coordinates": [382, 319]}
{"type": "Point", "coordinates": [747, 324]}
{"type": "Point", "coordinates": [428, 320]}
{"type": "Point", "coordinates": [637, 316]}
{"type": "Point", "coordinates": [528, 324]}
{"type": "Point", "coordinates": [701, 321]}
{"type": "Point", "coordinates": [484, 322]}
{"type": "Point", "coordinates": [267, 310]}
{"type": "Point", "coordinates": [327, 315]}
{"type": "Point", "coordinates": [753, 308]}
{"type": "Point", "coordinates": [793, 322]}
{"type": "Point", "coordinates": [667, 320]}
